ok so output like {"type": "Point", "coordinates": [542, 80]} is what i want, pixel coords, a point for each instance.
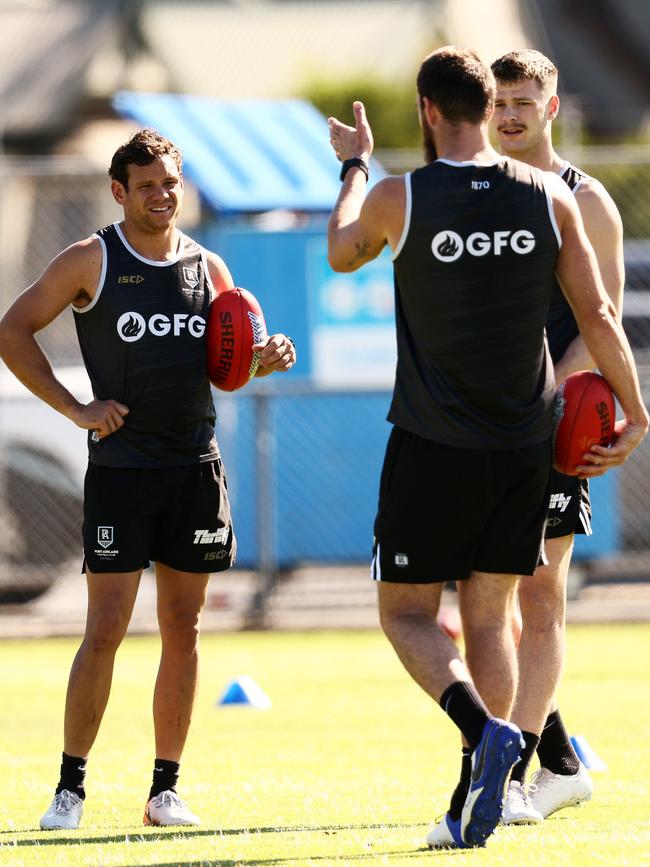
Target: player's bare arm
{"type": "Point", "coordinates": [577, 272]}
{"type": "Point", "coordinates": [604, 229]}
{"type": "Point", "coordinates": [71, 278]}
{"type": "Point", "coordinates": [219, 274]}
{"type": "Point", "coordinates": [277, 352]}
{"type": "Point", "coordinates": [361, 225]}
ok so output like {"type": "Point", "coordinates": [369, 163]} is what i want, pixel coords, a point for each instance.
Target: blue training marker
{"type": "Point", "coordinates": [244, 691]}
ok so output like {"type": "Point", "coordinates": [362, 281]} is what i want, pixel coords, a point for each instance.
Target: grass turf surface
{"type": "Point", "coordinates": [350, 766]}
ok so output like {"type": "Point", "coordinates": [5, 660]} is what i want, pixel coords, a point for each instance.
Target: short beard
{"type": "Point", "coordinates": [429, 147]}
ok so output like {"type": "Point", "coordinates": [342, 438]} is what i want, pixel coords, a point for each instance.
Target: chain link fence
{"type": "Point", "coordinates": [307, 496]}
{"type": "Point", "coordinates": [45, 205]}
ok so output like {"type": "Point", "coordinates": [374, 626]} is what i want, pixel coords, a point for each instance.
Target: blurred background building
{"type": "Point", "coordinates": [244, 88]}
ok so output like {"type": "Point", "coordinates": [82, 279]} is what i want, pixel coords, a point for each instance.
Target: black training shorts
{"type": "Point", "coordinates": [445, 512]}
{"type": "Point", "coordinates": [179, 516]}
{"type": "Point", "coordinates": [569, 507]}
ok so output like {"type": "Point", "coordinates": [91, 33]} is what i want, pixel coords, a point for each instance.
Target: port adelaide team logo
{"type": "Point", "coordinates": [448, 246]}
{"type": "Point", "coordinates": [191, 277]}
{"type": "Point", "coordinates": [105, 536]}
{"type": "Point", "coordinates": [106, 541]}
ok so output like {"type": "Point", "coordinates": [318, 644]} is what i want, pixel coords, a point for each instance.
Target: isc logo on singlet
{"type": "Point", "coordinates": [131, 326]}
{"type": "Point", "coordinates": [447, 246]}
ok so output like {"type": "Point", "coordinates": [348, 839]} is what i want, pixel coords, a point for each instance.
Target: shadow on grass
{"type": "Point", "coordinates": [173, 833]}
{"type": "Point", "coordinates": [344, 859]}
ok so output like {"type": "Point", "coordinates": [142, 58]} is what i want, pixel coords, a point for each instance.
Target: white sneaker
{"type": "Point", "coordinates": [446, 835]}
{"type": "Point", "coordinates": [517, 809]}
{"type": "Point", "coordinates": [65, 811]}
{"type": "Point", "coordinates": [168, 809]}
{"type": "Point", "coordinates": [551, 792]}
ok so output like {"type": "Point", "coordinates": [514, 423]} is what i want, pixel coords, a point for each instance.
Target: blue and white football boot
{"type": "Point", "coordinates": [499, 748]}
{"type": "Point", "coordinates": [446, 834]}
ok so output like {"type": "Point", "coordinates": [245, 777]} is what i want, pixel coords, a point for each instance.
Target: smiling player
{"type": "Point", "coordinates": [155, 489]}
{"type": "Point", "coordinates": [526, 105]}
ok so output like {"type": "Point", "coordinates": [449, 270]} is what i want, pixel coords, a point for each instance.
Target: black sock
{"type": "Point", "coordinates": [165, 776]}
{"type": "Point", "coordinates": [520, 768]}
{"type": "Point", "coordinates": [73, 774]}
{"type": "Point", "coordinates": [555, 749]}
{"type": "Point", "coordinates": [464, 705]}
{"type": "Point", "coordinates": [459, 795]}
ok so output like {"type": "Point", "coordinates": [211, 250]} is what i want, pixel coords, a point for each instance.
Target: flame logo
{"type": "Point", "coordinates": [131, 326]}
{"type": "Point", "coordinates": [447, 246]}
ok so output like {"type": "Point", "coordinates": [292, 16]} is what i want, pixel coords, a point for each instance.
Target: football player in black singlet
{"type": "Point", "coordinates": [477, 240]}
{"type": "Point", "coordinates": [155, 487]}
{"type": "Point", "coordinates": [526, 105]}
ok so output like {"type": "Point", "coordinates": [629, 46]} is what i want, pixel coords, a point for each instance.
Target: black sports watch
{"type": "Point", "coordinates": [354, 162]}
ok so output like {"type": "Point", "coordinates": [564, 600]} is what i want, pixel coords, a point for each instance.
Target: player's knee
{"type": "Point", "coordinates": [179, 629]}
{"type": "Point", "coordinates": [541, 601]}
{"type": "Point", "coordinates": [542, 616]}
{"type": "Point", "coordinates": [487, 619]}
{"type": "Point", "coordinates": [104, 634]}
{"type": "Point", "coordinates": [398, 622]}
{"type": "Point", "coordinates": [482, 635]}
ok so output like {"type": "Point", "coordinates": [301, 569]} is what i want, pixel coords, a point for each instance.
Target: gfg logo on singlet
{"type": "Point", "coordinates": [131, 325]}
{"type": "Point", "coordinates": [447, 246]}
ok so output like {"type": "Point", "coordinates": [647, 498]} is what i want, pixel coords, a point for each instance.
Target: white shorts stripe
{"type": "Point", "coordinates": [375, 567]}
{"type": "Point", "coordinates": [585, 519]}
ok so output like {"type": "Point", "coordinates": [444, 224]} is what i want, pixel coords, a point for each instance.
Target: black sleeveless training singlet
{"type": "Point", "coordinates": [143, 344]}
{"type": "Point", "coordinates": [474, 275]}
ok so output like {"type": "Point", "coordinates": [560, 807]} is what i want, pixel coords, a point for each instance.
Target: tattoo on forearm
{"type": "Point", "coordinates": [363, 249]}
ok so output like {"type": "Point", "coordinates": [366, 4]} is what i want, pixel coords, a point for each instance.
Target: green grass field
{"type": "Point", "coordinates": [350, 765]}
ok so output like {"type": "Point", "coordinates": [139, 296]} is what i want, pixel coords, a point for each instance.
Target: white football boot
{"type": "Point", "coordinates": [517, 809]}
{"type": "Point", "coordinates": [64, 813]}
{"type": "Point", "coordinates": [549, 792]}
{"type": "Point", "coordinates": [446, 834]}
{"type": "Point", "coordinates": [168, 809]}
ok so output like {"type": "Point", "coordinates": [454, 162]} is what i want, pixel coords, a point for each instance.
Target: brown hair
{"type": "Point", "coordinates": [459, 84]}
{"type": "Point", "coordinates": [526, 64]}
{"type": "Point", "coordinates": [141, 149]}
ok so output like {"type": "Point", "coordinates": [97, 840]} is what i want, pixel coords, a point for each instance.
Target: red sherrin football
{"type": "Point", "coordinates": [585, 417]}
{"type": "Point", "coordinates": [235, 323]}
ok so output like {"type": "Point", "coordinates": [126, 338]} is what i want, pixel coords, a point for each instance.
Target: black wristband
{"type": "Point", "coordinates": [355, 162]}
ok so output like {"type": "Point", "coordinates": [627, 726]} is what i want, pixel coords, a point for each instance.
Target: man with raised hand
{"type": "Point", "coordinates": [476, 241]}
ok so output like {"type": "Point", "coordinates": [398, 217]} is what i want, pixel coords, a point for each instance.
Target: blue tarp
{"type": "Point", "coordinates": [246, 155]}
